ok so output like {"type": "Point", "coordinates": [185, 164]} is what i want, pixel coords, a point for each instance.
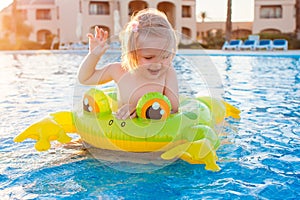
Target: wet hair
{"type": "Point", "coordinates": [146, 23]}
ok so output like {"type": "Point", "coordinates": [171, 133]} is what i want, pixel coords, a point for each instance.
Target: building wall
{"type": "Point", "coordinates": [5, 12]}
{"type": "Point", "coordinates": [237, 27]}
{"type": "Point", "coordinates": [125, 17]}
{"type": "Point", "coordinates": [172, 8]}
{"type": "Point", "coordinates": [189, 22]}
{"type": "Point", "coordinates": [75, 30]}
{"type": "Point", "coordinates": [68, 11]}
{"type": "Point", "coordinates": [71, 21]}
{"type": "Point", "coordinates": [90, 21]}
{"type": "Point", "coordinates": [38, 24]}
{"type": "Point", "coordinates": [285, 24]}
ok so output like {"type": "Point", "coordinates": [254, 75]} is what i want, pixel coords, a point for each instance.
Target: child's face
{"type": "Point", "coordinates": [153, 61]}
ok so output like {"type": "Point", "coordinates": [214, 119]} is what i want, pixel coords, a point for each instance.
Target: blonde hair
{"type": "Point", "coordinates": [146, 22]}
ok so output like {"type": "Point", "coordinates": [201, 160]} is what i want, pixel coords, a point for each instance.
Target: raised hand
{"type": "Point", "coordinates": [97, 43]}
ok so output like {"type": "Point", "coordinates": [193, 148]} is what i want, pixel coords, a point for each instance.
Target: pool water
{"type": "Point", "coordinates": [259, 157]}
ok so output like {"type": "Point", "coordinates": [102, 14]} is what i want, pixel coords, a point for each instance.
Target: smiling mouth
{"type": "Point", "coordinates": [153, 72]}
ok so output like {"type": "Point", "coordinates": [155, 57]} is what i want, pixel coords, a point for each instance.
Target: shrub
{"type": "Point", "coordinates": [194, 45]}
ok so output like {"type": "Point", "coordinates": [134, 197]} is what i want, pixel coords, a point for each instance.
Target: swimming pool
{"type": "Point", "coordinates": [260, 157]}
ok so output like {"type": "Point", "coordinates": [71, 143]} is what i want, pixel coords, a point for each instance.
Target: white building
{"type": "Point", "coordinates": [71, 20]}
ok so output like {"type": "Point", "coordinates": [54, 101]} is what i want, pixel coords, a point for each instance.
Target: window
{"type": "Point", "coordinates": [267, 12]}
{"type": "Point", "coordinates": [186, 11]}
{"type": "Point", "coordinates": [135, 6]}
{"type": "Point", "coordinates": [43, 36]}
{"type": "Point", "coordinates": [98, 8]}
{"type": "Point", "coordinates": [43, 14]}
{"type": "Point", "coordinates": [186, 32]}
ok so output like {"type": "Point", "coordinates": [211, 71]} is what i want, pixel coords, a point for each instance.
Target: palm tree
{"type": "Point", "coordinates": [298, 19]}
{"type": "Point", "coordinates": [203, 16]}
{"type": "Point", "coordinates": [228, 22]}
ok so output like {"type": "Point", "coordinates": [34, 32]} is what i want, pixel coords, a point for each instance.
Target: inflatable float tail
{"type": "Point", "coordinates": [48, 129]}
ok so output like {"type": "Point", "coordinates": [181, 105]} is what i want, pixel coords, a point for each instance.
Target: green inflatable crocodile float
{"type": "Point", "coordinates": [188, 134]}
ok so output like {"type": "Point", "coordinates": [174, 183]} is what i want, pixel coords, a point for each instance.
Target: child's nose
{"type": "Point", "coordinates": [156, 65]}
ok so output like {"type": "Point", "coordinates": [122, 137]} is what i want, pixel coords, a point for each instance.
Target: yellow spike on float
{"type": "Point", "coordinates": [232, 111]}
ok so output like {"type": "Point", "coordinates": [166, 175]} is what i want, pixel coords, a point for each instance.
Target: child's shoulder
{"type": "Point", "coordinates": [116, 67]}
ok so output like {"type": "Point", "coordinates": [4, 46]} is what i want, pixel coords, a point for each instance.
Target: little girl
{"type": "Point", "coordinates": [148, 47]}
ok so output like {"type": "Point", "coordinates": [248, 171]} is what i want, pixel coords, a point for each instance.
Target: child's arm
{"type": "Point", "coordinates": [171, 89]}
{"type": "Point", "coordinates": [87, 74]}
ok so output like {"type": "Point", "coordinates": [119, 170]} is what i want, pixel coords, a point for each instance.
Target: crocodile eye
{"type": "Point", "coordinates": [154, 105]}
{"type": "Point", "coordinates": [90, 105]}
{"type": "Point", "coordinates": [155, 111]}
{"type": "Point", "coordinates": [95, 101]}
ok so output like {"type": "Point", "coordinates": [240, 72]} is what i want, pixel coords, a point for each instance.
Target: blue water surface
{"type": "Point", "coordinates": [259, 155]}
